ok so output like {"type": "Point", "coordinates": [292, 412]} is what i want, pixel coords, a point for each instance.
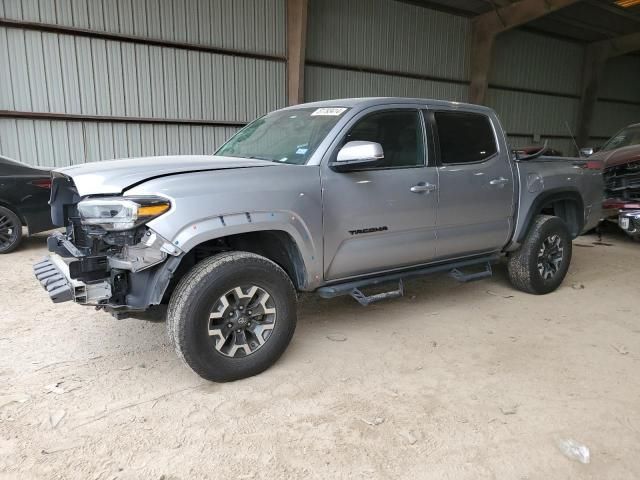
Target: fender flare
{"type": "Point", "coordinates": [211, 228]}
{"type": "Point", "coordinates": [551, 196]}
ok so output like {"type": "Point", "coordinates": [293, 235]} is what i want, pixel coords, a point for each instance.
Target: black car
{"type": "Point", "coordinates": [24, 201]}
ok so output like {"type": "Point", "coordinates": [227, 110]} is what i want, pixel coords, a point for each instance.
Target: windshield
{"type": "Point", "coordinates": [285, 136]}
{"type": "Point", "coordinates": [624, 138]}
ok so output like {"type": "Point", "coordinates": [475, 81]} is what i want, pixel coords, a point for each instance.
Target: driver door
{"type": "Point", "coordinates": [381, 218]}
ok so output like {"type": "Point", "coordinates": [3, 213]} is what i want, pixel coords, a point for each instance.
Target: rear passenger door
{"type": "Point", "coordinates": [476, 184]}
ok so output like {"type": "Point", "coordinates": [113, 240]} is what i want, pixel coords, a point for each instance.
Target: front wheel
{"type": "Point", "coordinates": [10, 231]}
{"type": "Point", "coordinates": [542, 261]}
{"type": "Point", "coordinates": [232, 316]}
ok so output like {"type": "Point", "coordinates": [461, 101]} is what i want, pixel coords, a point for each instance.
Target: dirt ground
{"type": "Point", "coordinates": [453, 381]}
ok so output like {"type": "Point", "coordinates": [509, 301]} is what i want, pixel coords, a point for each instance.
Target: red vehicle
{"type": "Point", "coordinates": [621, 156]}
{"type": "Point", "coordinates": [531, 149]}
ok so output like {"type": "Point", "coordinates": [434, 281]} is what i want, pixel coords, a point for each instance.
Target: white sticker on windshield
{"type": "Point", "coordinates": [332, 111]}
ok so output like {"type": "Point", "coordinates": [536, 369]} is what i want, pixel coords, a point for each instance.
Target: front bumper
{"type": "Point", "coordinates": [53, 280]}
{"type": "Point", "coordinates": [629, 221]}
{"type": "Point", "coordinates": [53, 274]}
{"type": "Point", "coordinates": [612, 207]}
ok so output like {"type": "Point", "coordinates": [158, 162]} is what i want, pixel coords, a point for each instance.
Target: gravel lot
{"type": "Point", "coordinates": [453, 381]}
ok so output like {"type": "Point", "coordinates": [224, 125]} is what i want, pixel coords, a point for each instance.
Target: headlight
{"type": "Point", "coordinates": [121, 213]}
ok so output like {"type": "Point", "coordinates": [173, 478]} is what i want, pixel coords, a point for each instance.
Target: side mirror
{"type": "Point", "coordinates": [357, 155]}
{"type": "Point", "coordinates": [587, 152]}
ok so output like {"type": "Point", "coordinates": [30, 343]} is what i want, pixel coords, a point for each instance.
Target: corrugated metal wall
{"type": "Point", "coordinates": [49, 72]}
{"type": "Point", "coordinates": [535, 84]}
{"type": "Point", "coordinates": [622, 79]}
{"type": "Point", "coordinates": [370, 35]}
{"type": "Point", "coordinates": [388, 35]}
{"type": "Point", "coordinates": [323, 83]}
{"type": "Point", "coordinates": [138, 77]}
{"type": "Point", "coordinates": [249, 25]}
{"type": "Point", "coordinates": [60, 143]}
{"type": "Point", "coordinates": [619, 98]}
{"type": "Point", "coordinates": [381, 47]}
{"type": "Point", "coordinates": [528, 60]}
{"type": "Point", "coordinates": [62, 72]}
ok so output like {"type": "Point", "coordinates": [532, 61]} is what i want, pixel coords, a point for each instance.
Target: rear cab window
{"type": "Point", "coordinates": [464, 137]}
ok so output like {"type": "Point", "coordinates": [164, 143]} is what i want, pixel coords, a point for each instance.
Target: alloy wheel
{"type": "Point", "coordinates": [8, 232]}
{"type": "Point", "coordinates": [550, 256]}
{"type": "Point", "coordinates": [242, 321]}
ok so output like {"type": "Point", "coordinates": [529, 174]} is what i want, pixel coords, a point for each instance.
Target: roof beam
{"type": "Point", "coordinates": [487, 26]}
{"type": "Point", "coordinates": [296, 49]}
{"type": "Point", "coordinates": [518, 13]}
{"type": "Point", "coordinates": [622, 45]}
{"type": "Point", "coordinates": [609, 7]}
{"type": "Point", "coordinates": [595, 60]}
{"type": "Point", "coordinates": [586, 26]}
{"type": "Point", "coordinates": [500, 3]}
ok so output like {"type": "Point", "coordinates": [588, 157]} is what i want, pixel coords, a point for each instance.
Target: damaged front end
{"type": "Point", "coordinates": [107, 257]}
{"type": "Point", "coordinates": [629, 221]}
{"type": "Point", "coordinates": [622, 193]}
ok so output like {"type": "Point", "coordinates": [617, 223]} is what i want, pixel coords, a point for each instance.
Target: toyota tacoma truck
{"type": "Point", "coordinates": [331, 197]}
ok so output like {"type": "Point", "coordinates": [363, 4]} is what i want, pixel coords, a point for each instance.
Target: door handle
{"type": "Point", "coordinates": [423, 188]}
{"type": "Point", "coordinates": [499, 181]}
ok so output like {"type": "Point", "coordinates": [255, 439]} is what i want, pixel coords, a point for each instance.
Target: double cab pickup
{"type": "Point", "coordinates": [330, 197]}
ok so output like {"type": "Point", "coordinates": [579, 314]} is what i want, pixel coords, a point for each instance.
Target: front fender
{"type": "Point", "coordinates": [212, 205]}
{"type": "Point", "coordinates": [203, 230]}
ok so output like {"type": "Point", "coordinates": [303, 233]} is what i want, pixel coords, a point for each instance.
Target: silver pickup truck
{"type": "Point", "coordinates": [330, 197]}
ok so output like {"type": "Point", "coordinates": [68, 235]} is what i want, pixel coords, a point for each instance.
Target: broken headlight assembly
{"type": "Point", "coordinates": [116, 214]}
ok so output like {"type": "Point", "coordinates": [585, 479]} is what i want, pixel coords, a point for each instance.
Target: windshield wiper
{"type": "Point", "coordinates": [256, 157]}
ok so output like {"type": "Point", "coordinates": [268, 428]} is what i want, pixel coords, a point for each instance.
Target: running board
{"type": "Point", "coordinates": [365, 300]}
{"type": "Point", "coordinates": [460, 276]}
{"type": "Point", "coordinates": [353, 288]}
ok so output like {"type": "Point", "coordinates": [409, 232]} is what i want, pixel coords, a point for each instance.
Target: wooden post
{"type": "Point", "coordinates": [595, 60]}
{"type": "Point", "coordinates": [481, 53]}
{"type": "Point", "coordinates": [487, 26]}
{"type": "Point", "coordinates": [296, 45]}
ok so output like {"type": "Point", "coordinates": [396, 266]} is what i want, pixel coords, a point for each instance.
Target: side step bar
{"type": "Point", "coordinates": [470, 277]}
{"type": "Point", "coordinates": [454, 268]}
{"type": "Point", "coordinates": [365, 300]}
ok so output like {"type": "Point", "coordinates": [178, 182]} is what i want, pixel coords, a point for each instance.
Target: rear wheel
{"type": "Point", "coordinates": [232, 316]}
{"type": "Point", "coordinates": [10, 230]}
{"type": "Point", "coordinates": [542, 262]}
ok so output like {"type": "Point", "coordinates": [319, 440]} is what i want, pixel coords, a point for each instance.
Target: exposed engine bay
{"type": "Point", "coordinates": [105, 250]}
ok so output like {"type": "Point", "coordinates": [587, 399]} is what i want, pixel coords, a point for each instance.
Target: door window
{"type": "Point", "coordinates": [464, 137]}
{"type": "Point", "coordinates": [398, 131]}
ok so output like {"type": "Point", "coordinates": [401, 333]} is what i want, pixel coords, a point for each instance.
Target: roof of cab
{"type": "Point", "coordinates": [365, 102]}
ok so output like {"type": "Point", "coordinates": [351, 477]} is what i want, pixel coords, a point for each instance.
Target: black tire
{"type": "Point", "coordinates": [525, 264]}
{"type": "Point", "coordinates": [10, 231]}
{"type": "Point", "coordinates": [194, 301]}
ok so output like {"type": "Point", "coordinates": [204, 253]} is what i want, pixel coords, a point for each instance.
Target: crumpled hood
{"type": "Point", "coordinates": [619, 156]}
{"type": "Point", "coordinates": [115, 176]}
